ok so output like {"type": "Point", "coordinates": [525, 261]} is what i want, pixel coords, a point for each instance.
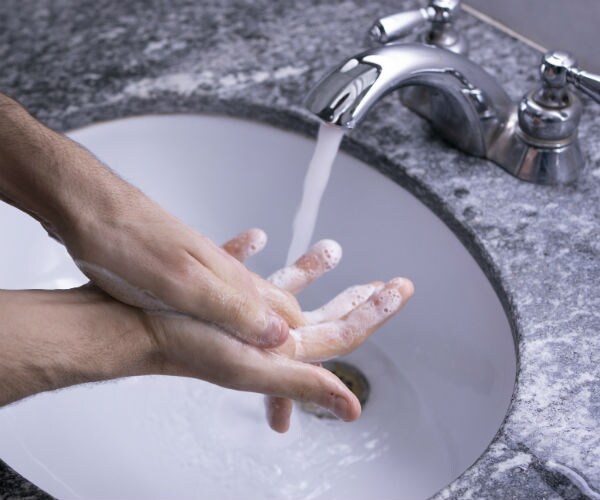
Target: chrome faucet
{"type": "Point", "coordinates": [535, 140]}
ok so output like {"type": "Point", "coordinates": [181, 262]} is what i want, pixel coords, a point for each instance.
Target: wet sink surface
{"type": "Point", "coordinates": [441, 373]}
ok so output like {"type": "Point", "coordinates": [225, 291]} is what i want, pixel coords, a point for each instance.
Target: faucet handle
{"type": "Point", "coordinates": [560, 68]}
{"type": "Point", "coordinates": [389, 28]}
{"type": "Point", "coordinates": [440, 13]}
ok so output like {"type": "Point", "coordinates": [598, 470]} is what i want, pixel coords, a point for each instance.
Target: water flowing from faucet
{"type": "Point", "coordinates": [315, 182]}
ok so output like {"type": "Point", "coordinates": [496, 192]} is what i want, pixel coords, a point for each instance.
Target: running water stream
{"type": "Point", "coordinates": [315, 182]}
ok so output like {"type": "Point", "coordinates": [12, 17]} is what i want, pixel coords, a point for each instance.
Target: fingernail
{"type": "Point", "coordinates": [341, 408]}
{"type": "Point", "coordinates": [276, 333]}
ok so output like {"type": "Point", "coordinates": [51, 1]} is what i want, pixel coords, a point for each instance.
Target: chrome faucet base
{"type": "Point", "coordinates": [534, 160]}
{"type": "Point", "coordinates": [548, 166]}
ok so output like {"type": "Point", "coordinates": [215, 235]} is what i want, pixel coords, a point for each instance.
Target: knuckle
{"type": "Point", "coordinates": [238, 309]}
{"type": "Point", "coordinates": [183, 266]}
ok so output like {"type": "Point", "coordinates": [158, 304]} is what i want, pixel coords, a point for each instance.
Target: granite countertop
{"type": "Point", "coordinates": [73, 62]}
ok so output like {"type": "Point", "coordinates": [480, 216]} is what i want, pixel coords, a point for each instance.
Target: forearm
{"type": "Point", "coordinates": [49, 176]}
{"type": "Point", "coordinates": [118, 236]}
{"type": "Point", "coordinates": [54, 339]}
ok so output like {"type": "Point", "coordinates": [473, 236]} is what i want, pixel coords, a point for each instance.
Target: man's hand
{"type": "Point", "coordinates": [335, 329]}
{"type": "Point", "coordinates": [126, 243]}
{"type": "Point", "coordinates": [53, 339]}
{"type": "Point", "coordinates": [287, 372]}
{"type": "Point", "coordinates": [147, 258]}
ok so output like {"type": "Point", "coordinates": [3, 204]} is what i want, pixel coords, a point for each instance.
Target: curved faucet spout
{"type": "Point", "coordinates": [463, 102]}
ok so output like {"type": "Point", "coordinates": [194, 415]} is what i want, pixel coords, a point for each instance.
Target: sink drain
{"type": "Point", "coordinates": [354, 379]}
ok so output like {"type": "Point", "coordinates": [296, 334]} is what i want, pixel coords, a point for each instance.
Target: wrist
{"type": "Point", "coordinates": [54, 339]}
{"type": "Point", "coordinates": [111, 340]}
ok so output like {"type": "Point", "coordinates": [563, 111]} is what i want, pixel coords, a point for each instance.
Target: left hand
{"type": "Point", "coordinates": [335, 329]}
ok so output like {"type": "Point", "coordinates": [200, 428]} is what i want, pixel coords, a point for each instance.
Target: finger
{"type": "Point", "coordinates": [201, 350]}
{"type": "Point", "coordinates": [335, 338]}
{"type": "Point", "coordinates": [279, 412]}
{"type": "Point", "coordinates": [312, 384]}
{"type": "Point", "coordinates": [195, 290]}
{"type": "Point", "coordinates": [320, 258]}
{"type": "Point", "coordinates": [246, 244]}
{"type": "Point", "coordinates": [278, 409]}
{"type": "Point", "coordinates": [341, 305]}
{"type": "Point", "coordinates": [281, 301]}
{"type": "Point", "coordinates": [222, 265]}
{"type": "Point", "coordinates": [265, 372]}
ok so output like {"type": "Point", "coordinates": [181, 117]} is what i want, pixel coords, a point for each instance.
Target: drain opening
{"type": "Point", "coordinates": [354, 379]}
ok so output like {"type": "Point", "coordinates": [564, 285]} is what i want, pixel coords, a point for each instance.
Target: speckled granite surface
{"type": "Point", "coordinates": [75, 62]}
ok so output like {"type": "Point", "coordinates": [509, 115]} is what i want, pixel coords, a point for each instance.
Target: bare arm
{"type": "Point", "coordinates": [113, 230]}
{"type": "Point", "coordinates": [54, 339]}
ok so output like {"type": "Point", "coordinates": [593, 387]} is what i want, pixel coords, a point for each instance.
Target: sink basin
{"type": "Point", "coordinates": [441, 373]}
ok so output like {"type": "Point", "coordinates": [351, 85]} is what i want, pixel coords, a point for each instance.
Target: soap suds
{"type": "Point", "coordinates": [321, 258]}
{"type": "Point", "coordinates": [246, 244]}
{"type": "Point", "coordinates": [342, 304]}
{"type": "Point", "coordinates": [323, 341]}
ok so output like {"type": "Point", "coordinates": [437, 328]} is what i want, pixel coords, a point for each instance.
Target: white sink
{"type": "Point", "coordinates": [441, 373]}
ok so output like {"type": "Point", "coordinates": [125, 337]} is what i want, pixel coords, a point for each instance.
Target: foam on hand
{"type": "Point", "coordinates": [247, 244]}
{"type": "Point", "coordinates": [337, 336]}
{"type": "Point", "coordinates": [342, 304]}
{"type": "Point", "coordinates": [321, 258]}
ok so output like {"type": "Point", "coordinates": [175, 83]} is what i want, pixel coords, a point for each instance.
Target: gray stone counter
{"type": "Point", "coordinates": [73, 62]}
